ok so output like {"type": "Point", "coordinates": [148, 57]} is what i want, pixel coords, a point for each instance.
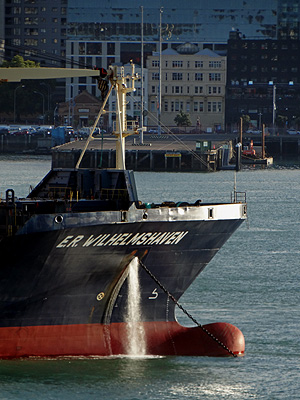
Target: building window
{"type": "Point", "coordinates": [166, 106]}
{"type": "Point", "coordinates": [198, 64]}
{"type": "Point", "coordinates": [177, 89]}
{"type": "Point", "coordinates": [214, 106]}
{"type": "Point", "coordinates": [177, 64]}
{"type": "Point", "coordinates": [214, 76]}
{"type": "Point", "coordinates": [81, 48]}
{"type": "Point", "coordinates": [198, 76]}
{"type": "Point", "coordinates": [214, 89]}
{"type": "Point", "coordinates": [155, 76]}
{"type": "Point", "coordinates": [30, 10]}
{"type": "Point", "coordinates": [187, 106]}
{"type": "Point", "coordinates": [30, 42]}
{"type": "Point", "coordinates": [16, 42]}
{"type": "Point", "coordinates": [153, 89]}
{"type": "Point", "coordinates": [198, 106]}
{"type": "Point", "coordinates": [94, 48]}
{"type": "Point", "coordinates": [155, 63]}
{"type": "Point", "coordinates": [198, 89]}
{"type": "Point", "coordinates": [177, 76]}
{"type": "Point", "coordinates": [214, 64]}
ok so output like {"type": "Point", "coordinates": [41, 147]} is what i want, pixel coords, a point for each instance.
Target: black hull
{"type": "Point", "coordinates": [47, 281]}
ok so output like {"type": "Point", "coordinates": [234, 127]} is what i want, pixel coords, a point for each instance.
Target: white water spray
{"type": "Point", "coordinates": [136, 344]}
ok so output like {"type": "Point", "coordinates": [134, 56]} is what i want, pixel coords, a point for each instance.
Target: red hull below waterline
{"type": "Point", "coordinates": [162, 338]}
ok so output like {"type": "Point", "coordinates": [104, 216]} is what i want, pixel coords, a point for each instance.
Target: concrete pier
{"type": "Point", "coordinates": [185, 152]}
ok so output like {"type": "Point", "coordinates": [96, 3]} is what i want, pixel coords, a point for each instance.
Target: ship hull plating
{"type": "Point", "coordinates": [64, 292]}
{"type": "Point", "coordinates": [162, 338]}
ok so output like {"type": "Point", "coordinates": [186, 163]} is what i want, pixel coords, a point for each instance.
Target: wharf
{"type": "Point", "coordinates": [257, 161]}
{"type": "Point", "coordinates": [159, 153]}
{"type": "Point", "coordinates": [167, 152]}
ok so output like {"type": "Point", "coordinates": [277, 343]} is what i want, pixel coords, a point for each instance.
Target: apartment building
{"type": "Point", "coordinates": [192, 81]}
{"type": "Point", "coordinates": [36, 30]}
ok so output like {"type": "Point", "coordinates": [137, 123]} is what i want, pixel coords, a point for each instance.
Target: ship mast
{"type": "Point", "coordinates": [118, 82]}
{"type": "Point", "coordinates": [122, 131]}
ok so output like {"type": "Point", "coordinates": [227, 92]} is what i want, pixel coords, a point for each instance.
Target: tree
{"type": "Point", "coordinates": [246, 120]}
{"type": "Point", "coordinates": [23, 101]}
{"type": "Point", "coordinates": [182, 119]}
{"type": "Point", "coordinates": [281, 121]}
{"type": "Point", "coordinates": [19, 62]}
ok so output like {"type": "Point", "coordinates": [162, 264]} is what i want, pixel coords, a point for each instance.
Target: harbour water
{"type": "Point", "coordinates": [253, 282]}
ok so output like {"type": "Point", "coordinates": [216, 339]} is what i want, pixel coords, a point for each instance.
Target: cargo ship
{"type": "Point", "coordinates": [68, 248]}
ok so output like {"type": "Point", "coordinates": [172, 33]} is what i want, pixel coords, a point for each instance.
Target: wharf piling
{"type": "Point", "coordinates": [187, 152]}
{"type": "Point", "coordinates": [139, 160]}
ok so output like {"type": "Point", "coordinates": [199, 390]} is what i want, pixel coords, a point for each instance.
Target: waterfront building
{"type": "Point", "coordinates": [91, 33]}
{"type": "Point", "coordinates": [36, 30]}
{"type": "Point", "coordinates": [263, 81]}
{"type": "Point", "coordinates": [80, 111]}
{"type": "Point", "coordinates": [103, 34]}
{"type": "Point", "coordinates": [75, 86]}
{"type": "Point", "coordinates": [192, 81]}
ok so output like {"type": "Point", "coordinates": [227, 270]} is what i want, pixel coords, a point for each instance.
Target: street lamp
{"type": "Point", "coordinates": [43, 103]}
{"type": "Point", "coordinates": [274, 105]}
{"type": "Point", "coordinates": [15, 91]}
{"type": "Point", "coordinates": [49, 93]}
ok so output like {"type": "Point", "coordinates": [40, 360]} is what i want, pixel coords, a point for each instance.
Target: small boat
{"type": "Point", "coordinates": [68, 251]}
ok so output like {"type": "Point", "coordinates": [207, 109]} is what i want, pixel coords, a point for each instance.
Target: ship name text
{"type": "Point", "coordinates": [124, 239]}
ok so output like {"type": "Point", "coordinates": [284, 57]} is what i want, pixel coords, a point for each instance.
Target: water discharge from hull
{"type": "Point", "coordinates": [136, 343]}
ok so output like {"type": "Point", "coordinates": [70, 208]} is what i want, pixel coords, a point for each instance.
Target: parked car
{"type": "Point", "coordinates": [155, 131]}
{"type": "Point", "coordinates": [292, 132]}
{"type": "Point", "coordinates": [69, 130]}
{"type": "Point", "coordinates": [21, 132]}
{"type": "Point", "coordinates": [254, 131]}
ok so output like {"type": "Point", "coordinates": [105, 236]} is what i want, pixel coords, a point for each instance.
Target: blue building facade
{"type": "Point", "coordinates": [192, 21]}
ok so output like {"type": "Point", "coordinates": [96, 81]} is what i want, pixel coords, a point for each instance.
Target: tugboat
{"type": "Point", "coordinates": [66, 252]}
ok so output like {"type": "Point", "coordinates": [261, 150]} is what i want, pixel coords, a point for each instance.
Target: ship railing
{"type": "Point", "coordinates": [238, 197]}
{"type": "Point", "coordinates": [113, 194]}
{"type": "Point", "coordinates": [58, 192]}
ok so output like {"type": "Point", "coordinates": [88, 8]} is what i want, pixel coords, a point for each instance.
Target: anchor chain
{"type": "Point", "coordinates": [185, 311]}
